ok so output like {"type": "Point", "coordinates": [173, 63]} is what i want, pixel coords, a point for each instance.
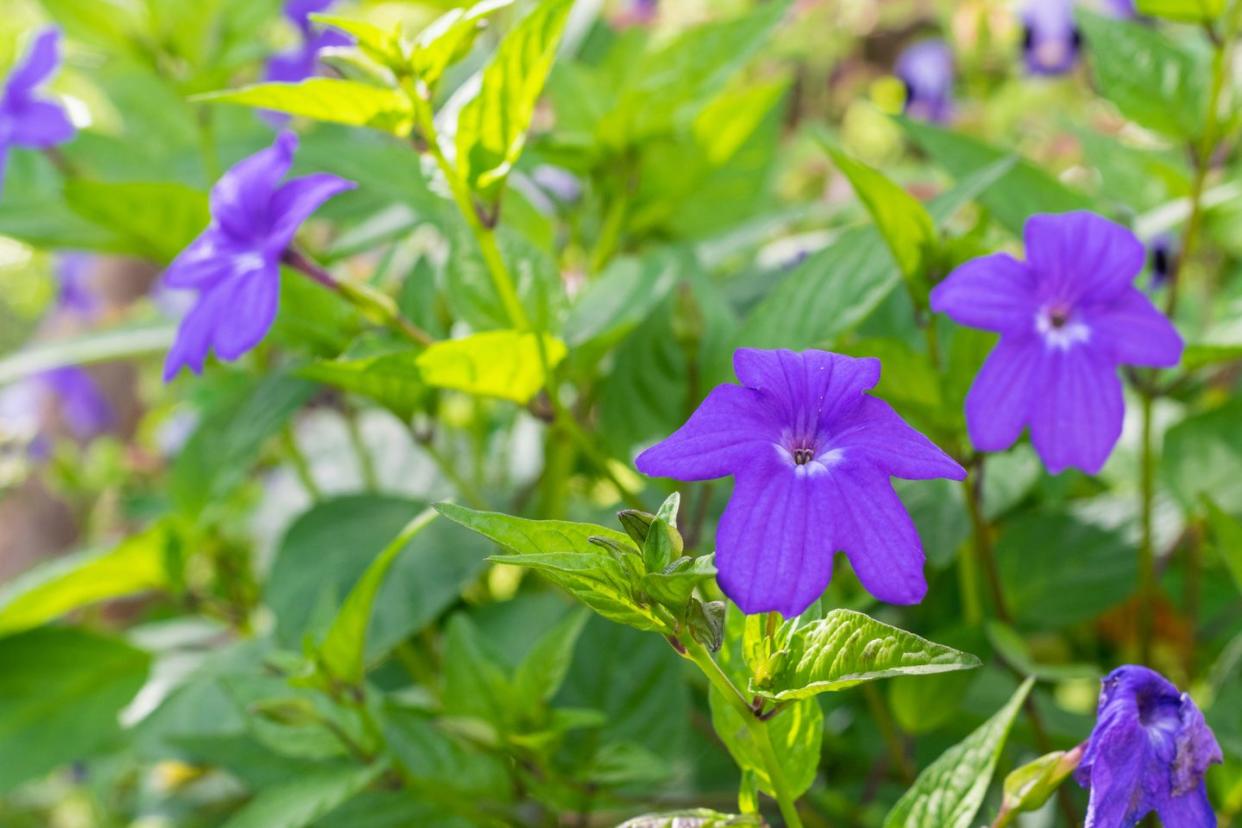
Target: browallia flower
{"type": "Point", "coordinates": [301, 62]}
{"type": "Point", "coordinates": [68, 393]}
{"type": "Point", "coordinates": [27, 119]}
{"type": "Point", "coordinates": [811, 454]}
{"type": "Point", "coordinates": [926, 70]}
{"type": "Point", "coordinates": [73, 271]}
{"type": "Point", "coordinates": [235, 264]}
{"type": "Point", "coordinates": [1148, 752]}
{"type": "Point", "coordinates": [1068, 317]}
{"type": "Point", "coordinates": [1050, 37]}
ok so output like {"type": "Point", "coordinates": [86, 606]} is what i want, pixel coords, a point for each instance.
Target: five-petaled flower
{"type": "Point", "coordinates": [1068, 317]}
{"type": "Point", "coordinates": [235, 264]}
{"type": "Point", "coordinates": [1148, 752]}
{"type": "Point", "coordinates": [26, 119]}
{"type": "Point", "coordinates": [926, 70]}
{"type": "Point", "coordinates": [811, 454]}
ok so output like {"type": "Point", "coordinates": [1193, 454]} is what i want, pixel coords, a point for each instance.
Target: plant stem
{"type": "Point", "coordinates": [758, 729]}
{"type": "Point", "coordinates": [300, 465]}
{"type": "Point", "coordinates": [888, 729]}
{"type": "Point", "coordinates": [973, 489]}
{"type": "Point", "coordinates": [1146, 562]}
{"type": "Point", "coordinates": [366, 464]}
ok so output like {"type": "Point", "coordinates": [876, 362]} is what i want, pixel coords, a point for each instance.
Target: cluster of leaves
{"type": "Point", "coordinates": [288, 619]}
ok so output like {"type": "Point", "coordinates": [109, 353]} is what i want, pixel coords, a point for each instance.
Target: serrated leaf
{"type": "Point", "coordinates": [505, 364]}
{"type": "Point", "coordinates": [306, 798]}
{"type": "Point", "coordinates": [326, 99]}
{"type": "Point", "coordinates": [846, 648]}
{"type": "Point", "coordinates": [448, 39]}
{"type": "Point", "coordinates": [949, 791]}
{"type": "Point", "coordinates": [156, 220]}
{"type": "Point", "coordinates": [1151, 79]}
{"type": "Point", "coordinates": [343, 651]}
{"type": "Point", "coordinates": [66, 584]}
{"type": "Point", "coordinates": [492, 126]}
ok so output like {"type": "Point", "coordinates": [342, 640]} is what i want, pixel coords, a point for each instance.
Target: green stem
{"type": "Point", "coordinates": [973, 489]}
{"type": "Point", "coordinates": [366, 464]}
{"type": "Point", "coordinates": [888, 730]}
{"type": "Point", "coordinates": [1146, 563]}
{"type": "Point", "coordinates": [464, 487]}
{"type": "Point", "coordinates": [301, 466]}
{"type": "Point", "coordinates": [758, 729]}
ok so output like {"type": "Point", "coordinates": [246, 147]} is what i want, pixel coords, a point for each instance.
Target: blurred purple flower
{"type": "Point", "coordinates": [300, 63]}
{"type": "Point", "coordinates": [1068, 317]}
{"type": "Point", "coordinates": [73, 271]}
{"type": "Point", "coordinates": [1161, 259]}
{"type": "Point", "coordinates": [1050, 37]}
{"type": "Point", "coordinates": [926, 69]}
{"type": "Point", "coordinates": [69, 391]}
{"type": "Point", "coordinates": [1120, 9]}
{"type": "Point", "coordinates": [235, 264]}
{"type": "Point", "coordinates": [1148, 752]}
{"type": "Point", "coordinates": [811, 455]}
{"type": "Point", "coordinates": [558, 182]}
{"type": "Point", "coordinates": [27, 120]}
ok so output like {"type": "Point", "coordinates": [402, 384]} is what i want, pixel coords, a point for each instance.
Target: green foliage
{"type": "Point", "coordinates": [507, 364]}
{"type": "Point", "coordinates": [333, 100]}
{"type": "Point", "coordinates": [301, 801]}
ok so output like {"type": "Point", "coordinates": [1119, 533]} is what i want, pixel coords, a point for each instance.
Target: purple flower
{"type": "Point", "coordinates": [1068, 317]}
{"type": "Point", "coordinates": [811, 455]}
{"type": "Point", "coordinates": [27, 120]}
{"type": "Point", "coordinates": [1050, 38]}
{"type": "Point", "coordinates": [1161, 259]}
{"type": "Point", "coordinates": [926, 69]}
{"type": "Point", "coordinates": [301, 62]}
{"type": "Point", "coordinates": [1148, 752]}
{"type": "Point", "coordinates": [1120, 9]}
{"type": "Point", "coordinates": [74, 273]}
{"type": "Point", "coordinates": [235, 264]}
{"type": "Point", "coordinates": [82, 405]}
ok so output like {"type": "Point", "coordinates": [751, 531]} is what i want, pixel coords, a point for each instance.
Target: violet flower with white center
{"type": "Point", "coordinates": [1149, 751]}
{"type": "Point", "coordinates": [926, 70]}
{"type": "Point", "coordinates": [811, 454]}
{"type": "Point", "coordinates": [235, 264]}
{"type": "Point", "coordinates": [1050, 37]}
{"type": "Point", "coordinates": [28, 119]}
{"type": "Point", "coordinates": [1068, 317]}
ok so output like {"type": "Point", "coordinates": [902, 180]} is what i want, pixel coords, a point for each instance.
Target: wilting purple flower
{"type": "Point", "coordinates": [301, 62]}
{"type": "Point", "coordinates": [1068, 317]}
{"type": "Point", "coordinates": [926, 69]}
{"type": "Point", "coordinates": [235, 264]}
{"type": "Point", "coordinates": [73, 270]}
{"type": "Point", "coordinates": [1161, 259]}
{"type": "Point", "coordinates": [811, 455]}
{"type": "Point", "coordinates": [26, 119]}
{"type": "Point", "coordinates": [1148, 752]}
{"type": "Point", "coordinates": [1050, 37]}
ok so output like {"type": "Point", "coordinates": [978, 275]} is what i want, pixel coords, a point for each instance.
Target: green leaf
{"type": "Point", "coordinates": [693, 818]}
{"type": "Point", "coordinates": [504, 364]}
{"type": "Point", "coordinates": [968, 188]}
{"type": "Point", "coordinates": [616, 302]}
{"type": "Point", "coordinates": [93, 348]}
{"type": "Point", "coordinates": [1200, 355]}
{"type": "Point", "coordinates": [1227, 534]}
{"type": "Point", "coordinates": [542, 672]}
{"type": "Point", "coordinates": [904, 223]}
{"type": "Point", "coordinates": [1024, 190]}
{"type": "Point", "coordinates": [380, 44]}
{"type": "Point", "coordinates": [390, 379]}
{"type": "Point", "coordinates": [66, 584]}
{"type": "Point", "coordinates": [344, 648]}
{"type": "Point", "coordinates": [326, 99]}
{"type": "Point", "coordinates": [1015, 652]}
{"type": "Point", "coordinates": [306, 798]}
{"type": "Point", "coordinates": [431, 753]}
{"type": "Point", "coordinates": [525, 537]}
{"type": "Point", "coordinates": [63, 690]}
{"type": "Point", "coordinates": [491, 128]}
{"type": "Point", "coordinates": [846, 648]}
{"type": "Point", "coordinates": [1203, 456]}
{"type": "Point", "coordinates": [475, 684]}
{"type": "Point", "coordinates": [675, 583]}
{"type": "Point", "coordinates": [948, 793]}
{"type": "Point", "coordinates": [1027, 788]}
{"type": "Point", "coordinates": [156, 220]}
{"type": "Point", "coordinates": [1152, 80]}
{"type": "Point", "coordinates": [448, 39]}
{"type": "Point", "coordinates": [1187, 11]}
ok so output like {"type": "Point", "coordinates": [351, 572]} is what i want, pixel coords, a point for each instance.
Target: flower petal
{"type": "Point", "coordinates": [297, 199]}
{"type": "Point", "coordinates": [1081, 255]}
{"type": "Point", "coordinates": [252, 302]}
{"type": "Point", "coordinates": [241, 199]}
{"type": "Point", "coordinates": [996, 293]}
{"type": "Point", "coordinates": [728, 432]}
{"type": "Point", "coordinates": [193, 340]}
{"type": "Point", "coordinates": [773, 544]}
{"type": "Point", "coordinates": [1134, 331]}
{"type": "Point", "coordinates": [39, 124]}
{"type": "Point", "coordinates": [877, 432]}
{"type": "Point", "coordinates": [1077, 415]}
{"type": "Point", "coordinates": [1115, 775]}
{"type": "Point", "coordinates": [876, 533]}
{"type": "Point", "coordinates": [999, 403]}
{"type": "Point", "coordinates": [206, 261]}
{"type": "Point", "coordinates": [809, 388]}
{"type": "Point", "coordinates": [1190, 810]}
{"type": "Point", "coordinates": [37, 66]}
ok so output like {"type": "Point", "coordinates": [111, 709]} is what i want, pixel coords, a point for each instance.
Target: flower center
{"type": "Point", "coordinates": [1061, 327]}
{"type": "Point", "coordinates": [802, 456]}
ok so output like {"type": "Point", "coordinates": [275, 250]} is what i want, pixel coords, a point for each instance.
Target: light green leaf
{"type": "Point", "coordinates": [525, 537]}
{"type": "Point", "coordinates": [1027, 788]}
{"type": "Point", "coordinates": [380, 44]}
{"type": "Point", "coordinates": [901, 219]}
{"type": "Point", "coordinates": [1152, 80]}
{"type": "Point", "coordinates": [1227, 534]}
{"type": "Point", "coordinates": [63, 690]}
{"type": "Point", "coordinates": [845, 648]}
{"type": "Point", "coordinates": [543, 670]}
{"type": "Point", "coordinates": [693, 818]}
{"type": "Point", "coordinates": [968, 188]}
{"type": "Point", "coordinates": [326, 99]}
{"type": "Point", "coordinates": [1187, 11]}
{"type": "Point", "coordinates": [124, 342]}
{"type": "Point", "coordinates": [474, 683]}
{"type": "Point", "coordinates": [304, 799]}
{"type": "Point", "coordinates": [948, 793]}
{"type": "Point", "coordinates": [505, 364]}
{"type": "Point", "coordinates": [391, 379]}
{"type": "Point", "coordinates": [1203, 456]}
{"type": "Point", "coordinates": [491, 129]}
{"type": "Point", "coordinates": [63, 585]}
{"type": "Point", "coordinates": [448, 39]}
{"type": "Point", "coordinates": [344, 648]}
{"type": "Point", "coordinates": [618, 300]}
{"type": "Point", "coordinates": [1199, 355]}
{"type": "Point", "coordinates": [157, 220]}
